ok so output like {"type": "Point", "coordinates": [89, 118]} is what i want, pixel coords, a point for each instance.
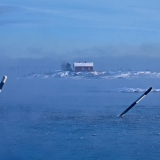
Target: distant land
{"type": "Point", "coordinates": [124, 63]}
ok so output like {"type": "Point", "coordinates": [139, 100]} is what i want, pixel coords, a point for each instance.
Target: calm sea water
{"type": "Point", "coordinates": [66, 116]}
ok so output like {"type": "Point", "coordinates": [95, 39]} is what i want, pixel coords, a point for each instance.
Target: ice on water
{"type": "Point", "coordinates": [97, 74]}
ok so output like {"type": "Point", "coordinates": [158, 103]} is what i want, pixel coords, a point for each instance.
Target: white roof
{"type": "Point", "coordinates": [86, 64]}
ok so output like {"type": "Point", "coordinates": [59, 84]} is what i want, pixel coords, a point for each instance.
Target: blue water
{"type": "Point", "coordinates": [63, 115]}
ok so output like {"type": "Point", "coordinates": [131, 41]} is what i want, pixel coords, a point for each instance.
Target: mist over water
{"type": "Point", "coordinates": [52, 114]}
{"type": "Point", "coordinates": [48, 114]}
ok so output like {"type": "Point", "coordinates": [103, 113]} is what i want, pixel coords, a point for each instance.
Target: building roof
{"type": "Point", "coordinates": [86, 64]}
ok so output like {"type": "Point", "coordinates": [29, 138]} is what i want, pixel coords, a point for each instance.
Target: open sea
{"type": "Point", "coordinates": [73, 116]}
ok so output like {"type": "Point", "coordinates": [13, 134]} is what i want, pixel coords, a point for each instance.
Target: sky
{"type": "Point", "coordinates": [79, 28]}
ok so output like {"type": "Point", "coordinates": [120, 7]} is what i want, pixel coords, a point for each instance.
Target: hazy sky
{"type": "Point", "coordinates": [50, 28]}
